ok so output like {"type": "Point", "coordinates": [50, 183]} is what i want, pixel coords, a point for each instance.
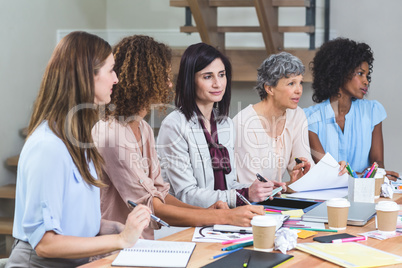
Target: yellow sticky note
{"type": "Point", "coordinates": [297, 213]}
{"type": "Point", "coordinates": [305, 233]}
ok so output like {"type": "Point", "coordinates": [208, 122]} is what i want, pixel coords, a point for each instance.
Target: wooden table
{"type": "Point", "coordinates": [203, 251]}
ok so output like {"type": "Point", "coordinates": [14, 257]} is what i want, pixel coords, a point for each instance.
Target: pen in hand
{"type": "Point", "coordinates": [131, 203]}
{"type": "Point", "coordinates": [274, 192]}
{"type": "Point", "coordinates": [298, 161]}
{"type": "Point", "coordinates": [392, 175]}
{"type": "Point", "coordinates": [260, 178]}
{"type": "Point", "coordinates": [242, 198]}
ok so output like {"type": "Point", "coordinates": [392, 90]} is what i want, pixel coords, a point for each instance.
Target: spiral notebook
{"type": "Point", "coordinates": [151, 253]}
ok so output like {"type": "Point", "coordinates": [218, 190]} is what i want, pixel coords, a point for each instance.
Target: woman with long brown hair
{"type": "Point", "coordinates": [57, 211]}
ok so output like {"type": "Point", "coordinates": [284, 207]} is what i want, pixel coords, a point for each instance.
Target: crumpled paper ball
{"type": "Point", "coordinates": [386, 189]}
{"type": "Point", "coordinates": [285, 239]}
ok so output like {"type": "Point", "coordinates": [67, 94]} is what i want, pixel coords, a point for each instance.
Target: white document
{"type": "Point", "coordinates": [321, 194]}
{"type": "Point", "coordinates": [233, 229]}
{"type": "Point", "coordinates": [280, 218]}
{"type": "Point", "coordinates": [220, 233]}
{"type": "Point", "coordinates": [322, 176]}
{"type": "Point", "coordinates": [310, 224]}
{"type": "Point", "coordinates": [152, 253]}
{"type": "Point", "coordinates": [207, 234]}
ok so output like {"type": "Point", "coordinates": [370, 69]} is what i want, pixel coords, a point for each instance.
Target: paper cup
{"type": "Point", "coordinates": [337, 209]}
{"type": "Point", "coordinates": [387, 214]}
{"type": "Point", "coordinates": [263, 232]}
{"type": "Point", "coordinates": [379, 180]}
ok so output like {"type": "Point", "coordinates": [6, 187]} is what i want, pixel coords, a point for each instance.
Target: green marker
{"type": "Point", "coordinates": [245, 244]}
{"type": "Point", "coordinates": [274, 192]}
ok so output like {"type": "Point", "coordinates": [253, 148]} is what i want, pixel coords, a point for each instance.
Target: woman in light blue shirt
{"type": "Point", "coordinates": [57, 211]}
{"type": "Point", "coordinates": [343, 123]}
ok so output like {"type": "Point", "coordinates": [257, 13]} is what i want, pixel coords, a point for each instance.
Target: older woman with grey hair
{"type": "Point", "coordinates": [273, 132]}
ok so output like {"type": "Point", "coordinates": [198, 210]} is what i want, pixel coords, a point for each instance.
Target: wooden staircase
{"type": "Point", "coordinates": [6, 223]}
{"type": "Point", "coordinates": [8, 192]}
{"type": "Point", "coordinates": [245, 61]}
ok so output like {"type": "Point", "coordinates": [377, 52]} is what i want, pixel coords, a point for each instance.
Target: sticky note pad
{"type": "Point", "coordinates": [296, 213]}
{"type": "Point", "coordinates": [305, 234]}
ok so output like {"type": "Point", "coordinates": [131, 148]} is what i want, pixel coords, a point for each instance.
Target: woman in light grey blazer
{"type": "Point", "coordinates": [195, 142]}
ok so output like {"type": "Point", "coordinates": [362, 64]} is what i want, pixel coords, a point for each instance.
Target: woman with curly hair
{"type": "Point", "coordinates": [195, 142]}
{"type": "Point", "coordinates": [343, 123]}
{"type": "Point", "coordinates": [126, 142]}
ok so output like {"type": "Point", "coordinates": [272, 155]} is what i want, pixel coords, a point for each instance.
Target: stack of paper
{"type": "Point", "coordinates": [322, 182]}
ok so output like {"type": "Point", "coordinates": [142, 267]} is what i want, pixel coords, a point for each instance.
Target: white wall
{"type": "Point", "coordinates": [378, 24]}
{"type": "Point", "coordinates": [28, 37]}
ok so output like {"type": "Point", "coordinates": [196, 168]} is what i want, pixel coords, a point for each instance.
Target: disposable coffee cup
{"type": "Point", "coordinates": [337, 209]}
{"type": "Point", "coordinates": [379, 180]}
{"type": "Point", "coordinates": [387, 214]}
{"type": "Point", "coordinates": [263, 232]}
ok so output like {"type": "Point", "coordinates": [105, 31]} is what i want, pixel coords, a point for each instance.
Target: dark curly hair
{"type": "Point", "coordinates": [334, 65]}
{"type": "Point", "coordinates": [143, 68]}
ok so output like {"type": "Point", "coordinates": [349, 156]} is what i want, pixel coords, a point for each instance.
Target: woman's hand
{"type": "Point", "coordinates": [299, 170]}
{"type": "Point", "coordinates": [280, 184]}
{"type": "Point", "coordinates": [136, 221]}
{"type": "Point", "coordinates": [342, 168]}
{"type": "Point", "coordinates": [392, 175]}
{"type": "Point", "coordinates": [219, 205]}
{"type": "Point", "coordinates": [241, 216]}
{"type": "Point", "coordinates": [259, 191]}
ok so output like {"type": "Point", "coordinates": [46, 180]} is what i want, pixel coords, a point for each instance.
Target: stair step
{"type": "Point", "coordinates": [224, 29]}
{"type": "Point", "coordinates": [12, 161]}
{"type": "Point", "coordinates": [6, 226]}
{"type": "Point", "coordinates": [231, 3]}
{"type": "Point", "coordinates": [246, 61]}
{"type": "Point", "coordinates": [7, 191]}
{"type": "Point", "coordinates": [251, 29]}
{"type": "Point", "coordinates": [216, 3]}
{"type": "Point", "coordinates": [244, 3]}
{"type": "Point", "coordinates": [291, 3]}
{"type": "Point", "coordinates": [296, 29]}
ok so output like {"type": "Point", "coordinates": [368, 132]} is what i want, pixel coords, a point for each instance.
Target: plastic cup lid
{"type": "Point", "coordinates": [338, 202]}
{"type": "Point", "coordinates": [263, 221]}
{"type": "Point", "coordinates": [387, 206]}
